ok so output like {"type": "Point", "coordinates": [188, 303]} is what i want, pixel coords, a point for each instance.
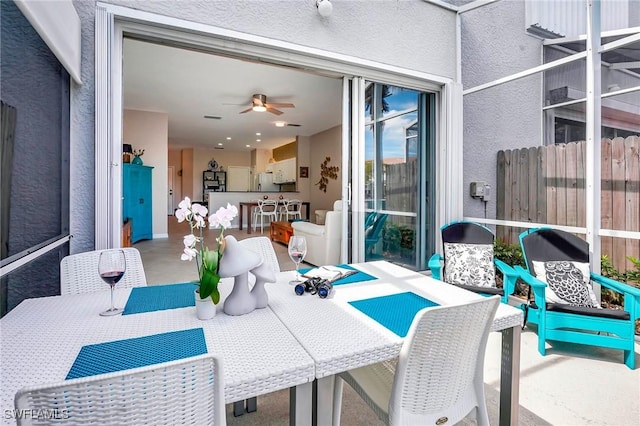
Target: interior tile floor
{"type": "Point", "coordinates": [572, 385]}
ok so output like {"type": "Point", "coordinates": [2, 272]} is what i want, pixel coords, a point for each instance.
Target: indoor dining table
{"type": "Point", "coordinates": [249, 205]}
{"type": "Point", "coordinates": [351, 328]}
{"type": "Point", "coordinates": [42, 337]}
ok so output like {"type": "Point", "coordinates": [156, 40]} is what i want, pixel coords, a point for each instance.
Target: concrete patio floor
{"type": "Point", "coordinates": [571, 385]}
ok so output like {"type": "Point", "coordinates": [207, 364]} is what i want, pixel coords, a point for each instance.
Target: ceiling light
{"type": "Point", "coordinates": [259, 108]}
{"type": "Point", "coordinates": [258, 134]}
{"type": "Point", "coordinates": [324, 7]}
{"type": "Point", "coordinates": [220, 143]}
{"type": "Point", "coordinates": [228, 138]}
{"type": "Point", "coordinates": [258, 140]}
{"type": "Point", "coordinates": [280, 123]}
{"type": "Point", "coordinates": [248, 146]}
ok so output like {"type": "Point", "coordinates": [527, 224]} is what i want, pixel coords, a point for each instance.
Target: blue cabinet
{"type": "Point", "coordinates": [136, 203]}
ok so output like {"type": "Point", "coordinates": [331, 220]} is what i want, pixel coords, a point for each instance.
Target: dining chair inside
{"type": "Point", "coordinates": [187, 391]}
{"type": "Point", "coordinates": [79, 272]}
{"type": "Point", "coordinates": [282, 209]}
{"type": "Point", "coordinates": [266, 209]}
{"type": "Point", "coordinates": [293, 210]}
{"type": "Point", "coordinates": [438, 376]}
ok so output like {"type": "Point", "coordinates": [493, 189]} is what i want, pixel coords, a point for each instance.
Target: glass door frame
{"type": "Point", "coordinates": [353, 247]}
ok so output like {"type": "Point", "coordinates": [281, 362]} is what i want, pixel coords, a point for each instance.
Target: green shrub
{"type": "Point", "coordinates": [511, 254]}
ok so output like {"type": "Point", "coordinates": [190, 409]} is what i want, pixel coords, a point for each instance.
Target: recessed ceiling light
{"type": "Point", "coordinates": [248, 146]}
{"type": "Point", "coordinates": [258, 140]}
{"type": "Point", "coordinates": [220, 143]}
{"type": "Point", "coordinates": [228, 138]}
{"type": "Point", "coordinates": [258, 134]}
{"type": "Point", "coordinates": [280, 123]}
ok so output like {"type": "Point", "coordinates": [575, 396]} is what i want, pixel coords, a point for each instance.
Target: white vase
{"type": "Point", "coordinates": [205, 309]}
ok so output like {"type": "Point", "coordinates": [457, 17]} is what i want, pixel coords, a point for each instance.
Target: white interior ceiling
{"type": "Point", "coordinates": [188, 85]}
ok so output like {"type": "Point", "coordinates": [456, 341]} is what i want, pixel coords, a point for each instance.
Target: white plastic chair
{"type": "Point", "coordinates": [293, 209]}
{"type": "Point", "coordinates": [268, 209]}
{"type": "Point", "coordinates": [187, 391]}
{"type": "Point", "coordinates": [264, 247]}
{"type": "Point", "coordinates": [438, 379]}
{"type": "Point", "coordinates": [79, 272]}
{"type": "Point", "coordinates": [282, 209]}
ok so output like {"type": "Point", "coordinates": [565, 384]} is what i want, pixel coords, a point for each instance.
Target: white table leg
{"type": "Point", "coordinates": [300, 405]}
{"type": "Point", "coordinates": [510, 376]}
{"type": "Point", "coordinates": [324, 401]}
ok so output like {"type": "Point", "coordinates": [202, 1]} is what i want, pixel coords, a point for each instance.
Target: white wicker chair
{"type": "Point", "coordinates": [439, 374]}
{"type": "Point", "coordinates": [264, 247]}
{"type": "Point", "coordinates": [187, 391]}
{"type": "Point", "coordinates": [79, 272]}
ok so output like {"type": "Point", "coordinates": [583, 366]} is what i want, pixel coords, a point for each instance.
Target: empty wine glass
{"type": "Point", "coordinates": [297, 252]}
{"type": "Point", "coordinates": [111, 267]}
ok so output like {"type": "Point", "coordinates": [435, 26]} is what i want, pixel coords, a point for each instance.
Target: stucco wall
{"type": "Point", "coordinates": [495, 45]}
{"type": "Point", "coordinates": [412, 34]}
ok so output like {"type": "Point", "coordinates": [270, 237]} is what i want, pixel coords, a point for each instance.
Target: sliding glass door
{"type": "Point", "coordinates": [393, 141]}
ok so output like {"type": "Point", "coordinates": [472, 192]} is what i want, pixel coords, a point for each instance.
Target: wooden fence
{"type": "Point", "coordinates": [546, 184]}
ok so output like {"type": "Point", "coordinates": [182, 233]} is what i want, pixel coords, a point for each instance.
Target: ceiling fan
{"type": "Point", "coordinates": [260, 104]}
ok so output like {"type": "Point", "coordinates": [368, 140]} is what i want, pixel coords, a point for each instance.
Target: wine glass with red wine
{"type": "Point", "coordinates": [111, 267]}
{"type": "Point", "coordinates": [297, 252]}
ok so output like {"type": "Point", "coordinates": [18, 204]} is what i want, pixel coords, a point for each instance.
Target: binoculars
{"type": "Point", "coordinates": [318, 286]}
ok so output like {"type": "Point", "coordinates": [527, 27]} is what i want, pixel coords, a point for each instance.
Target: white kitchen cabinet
{"type": "Point", "coordinates": [285, 171]}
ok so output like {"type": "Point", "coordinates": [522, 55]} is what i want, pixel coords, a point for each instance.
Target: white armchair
{"type": "Point", "coordinates": [323, 241]}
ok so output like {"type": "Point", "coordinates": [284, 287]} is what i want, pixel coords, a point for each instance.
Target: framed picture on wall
{"type": "Point", "coordinates": [304, 172]}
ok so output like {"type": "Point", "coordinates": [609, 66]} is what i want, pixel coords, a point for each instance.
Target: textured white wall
{"type": "Point", "coordinates": [495, 45]}
{"type": "Point", "coordinates": [412, 34]}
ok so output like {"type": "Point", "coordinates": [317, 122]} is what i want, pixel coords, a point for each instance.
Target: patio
{"type": "Point", "coordinates": [572, 385]}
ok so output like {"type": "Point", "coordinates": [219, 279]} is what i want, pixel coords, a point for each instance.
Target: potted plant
{"type": "Point", "coordinates": [207, 260]}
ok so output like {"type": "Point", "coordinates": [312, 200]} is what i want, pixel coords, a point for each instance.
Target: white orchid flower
{"type": "Point", "coordinates": [185, 204]}
{"type": "Point", "coordinates": [182, 214]}
{"type": "Point", "coordinates": [189, 254]}
{"type": "Point", "coordinates": [190, 241]}
{"type": "Point", "coordinates": [199, 221]}
{"type": "Point", "coordinates": [199, 210]}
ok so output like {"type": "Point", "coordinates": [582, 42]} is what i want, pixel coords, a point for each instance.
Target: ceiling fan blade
{"type": "Point", "coordinates": [277, 105]}
{"type": "Point", "coordinates": [246, 110]}
{"type": "Point", "coordinates": [274, 111]}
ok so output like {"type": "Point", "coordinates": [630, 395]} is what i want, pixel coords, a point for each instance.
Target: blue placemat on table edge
{"type": "Point", "coordinates": [159, 298]}
{"type": "Point", "coordinates": [137, 352]}
{"type": "Point", "coordinates": [395, 311]}
{"type": "Point", "coordinates": [354, 278]}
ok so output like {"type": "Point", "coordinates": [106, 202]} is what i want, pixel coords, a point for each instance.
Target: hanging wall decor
{"type": "Point", "coordinates": [327, 172]}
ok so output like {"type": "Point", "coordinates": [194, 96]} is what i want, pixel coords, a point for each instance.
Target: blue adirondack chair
{"type": "Point", "coordinates": [555, 255]}
{"type": "Point", "coordinates": [374, 223]}
{"type": "Point", "coordinates": [469, 239]}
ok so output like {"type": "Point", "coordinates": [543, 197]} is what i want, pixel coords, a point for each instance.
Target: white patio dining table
{"type": "Point", "coordinates": [42, 337]}
{"type": "Point", "coordinates": [340, 337]}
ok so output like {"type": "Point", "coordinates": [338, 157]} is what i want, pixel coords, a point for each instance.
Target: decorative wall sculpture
{"type": "Point", "coordinates": [327, 172]}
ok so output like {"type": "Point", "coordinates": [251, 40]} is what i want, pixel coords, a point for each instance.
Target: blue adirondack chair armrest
{"type": "Point", "coordinates": [509, 276]}
{"type": "Point", "coordinates": [537, 286]}
{"type": "Point", "coordinates": [631, 294]}
{"type": "Point", "coordinates": [435, 264]}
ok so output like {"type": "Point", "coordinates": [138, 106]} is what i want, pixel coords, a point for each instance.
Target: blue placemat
{"type": "Point", "coordinates": [159, 298]}
{"type": "Point", "coordinates": [395, 311]}
{"type": "Point", "coordinates": [137, 352]}
{"type": "Point", "coordinates": [354, 278]}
